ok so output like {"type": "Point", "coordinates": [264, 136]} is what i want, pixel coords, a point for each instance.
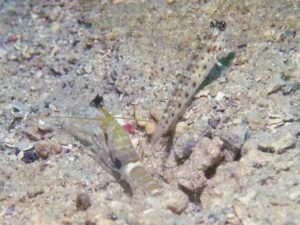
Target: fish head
{"type": "Point", "coordinates": [217, 38]}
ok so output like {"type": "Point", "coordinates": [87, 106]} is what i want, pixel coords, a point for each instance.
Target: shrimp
{"type": "Point", "coordinates": [111, 147]}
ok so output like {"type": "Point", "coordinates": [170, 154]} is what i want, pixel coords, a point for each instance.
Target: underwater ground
{"type": "Point", "coordinates": [235, 152]}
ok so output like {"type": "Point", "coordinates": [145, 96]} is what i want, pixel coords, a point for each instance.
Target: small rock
{"type": "Point", "coordinates": [176, 201]}
{"type": "Point", "coordinates": [256, 119]}
{"type": "Point", "coordinates": [19, 107]}
{"type": "Point", "coordinates": [112, 77]}
{"type": "Point", "coordinates": [55, 27]}
{"type": "Point", "coordinates": [181, 128]}
{"type": "Point", "coordinates": [291, 88]}
{"type": "Point", "coordinates": [34, 88]}
{"type": "Point", "coordinates": [170, 1]}
{"type": "Point", "coordinates": [113, 35]}
{"type": "Point", "coordinates": [214, 122]}
{"type": "Point", "coordinates": [278, 144]}
{"type": "Point", "coordinates": [248, 198]}
{"type": "Point", "coordinates": [12, 57]}
{"type": "Point", "coordinates": [47, 148]}
{"type": "Point", "coordinates": [234, 138]}
{"type": "Point", "coordinates": [220, 96]}
{"type": "Point", "coordinates": [117, 1]}
{"type": "Point", "coordinates": [25, 145]}
{"type": "Point", "coordinates": [231, 218]}
{"type": "Point", "coordinates": [184, 149]}
{"type": "Point", "coordinates": [189, 136]}
{"type": "Point", "coordinates": [44, 126]}
{"type": "Point", "coordinates": [83, 202]}
{"type": "Point", "coordinates": [3, 55]}
{"type": "Point", "coordinates": [274, 88]}
{"type": "Point", "coordinates": [190, 178]}
{"type": "Point", "coordinates": [207, 153]}
{"type": "Point", "coordinates": [140, 116]}
{"type": "Point", "coordinates": [1, 185]}
{"type": "Point", "coordinates": [150, 127]}
{"type": "Point", "coordinates": [275, 85]}
{"type": "Point", "coordinates": [88, 68]}
{"type": "Point", "coordinates": [56, 70]}
{"type": "Point", "coordinates": [275, 122]}
{"type": "Point", "coordinates": [89, 222]}
{"type": "Point", "coordinates": [156, 114]}
{"type": "Point", "coordinates": [9, 211]}
{"type": "Point", "coordinates": [33, 134]}
{"type": "Point", "coordinates": [27, 52]}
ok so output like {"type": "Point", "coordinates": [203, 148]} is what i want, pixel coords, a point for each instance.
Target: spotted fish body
{"type": "Point", "coordinates": [189, 84]}
{"type": "Point", "coordinates": [112, 147]}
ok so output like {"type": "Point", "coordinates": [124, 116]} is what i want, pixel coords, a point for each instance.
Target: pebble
{"type": "Point", "coordinates": [113, 35]}
{"type": "Point", "coordinates": [83, 202]}
{"type": "Point", "coordinates": [220, 96]}
{"type": "Point", "coordinates": [181, 128]}
{"type": "Point", "coordinates": [25, 145]}
{"type": "Point", "coordinates": [44, 126]}
{"type": "Point", "coordinates": [274, 88]}
{"type": "Point", "coordinates": [88, 68]}
{"type": "Point", "coordinates": [9, 142]}
{"type": "Point", "coordinates": [34, 87]}
{"type": "Point", "coordinates": [275, 85]}
{"type": "Point", "coordinates": [275, 122]}
{"type": "Point", "coordinates": [170, 1]}
{"type": "Point", "coordinates": [233, 138]}
{"type": "Point", "coordinates": [176, 201]}
{"type": "Point", "coordinates": [184, 147]}
{"type": "Point", "coordinates": [47, 148]}
{"type": "Point", "coordinates": [140, 116]}
{"type": "Point", "coordinates": [190, 178]}
{"type": "Point", "coordinates": [3, 55]}
{"type": "Point", "coordinates": [27, 52]}
{"type": "Point", "coordinates": [112, 76]}
{"type": "Point", "coordinates": [207, 153]}
{"type": "Point", "coordinates": [278, 144]}
{"type": "Point", "coordinates": [55, 27]}
{"type": "Point", "coordinates": [156, 114]}
{"type": "Point", "coordinates": [214, 122]}
{"type": "Point", "coordinates": [248, 197]}
{"type": "Point", "coordinates": [12, 57]}
{"type": "Point", "coordinates": [33, 134]}
{"type": "Point", "coordinates": [150, 127]}
{"type": "Point", "coordinates": [19, 107]}
{"type": "Point", "coordinates": [255, 119]}
{"type": "Point", "coordinates": [291, 88]}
